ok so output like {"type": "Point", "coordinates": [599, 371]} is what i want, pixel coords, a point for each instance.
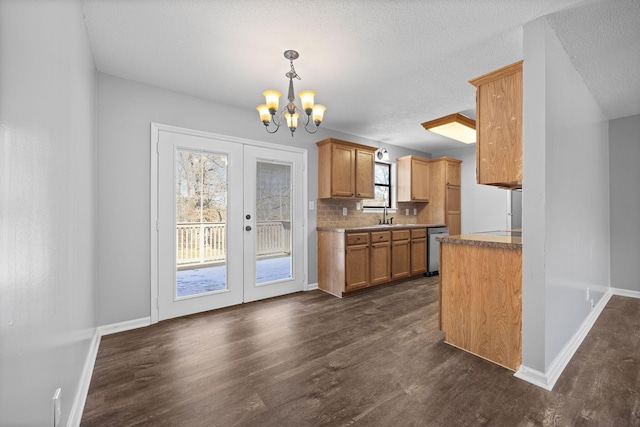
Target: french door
{"type": "Point", "coordinates": [230, 222]}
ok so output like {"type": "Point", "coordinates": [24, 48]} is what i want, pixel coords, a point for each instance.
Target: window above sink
{"type": "Point", "coordinates": [384, 188]}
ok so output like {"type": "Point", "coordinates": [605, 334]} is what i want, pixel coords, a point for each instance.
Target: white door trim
{"type": "Point", "coordinates": [153, 218]}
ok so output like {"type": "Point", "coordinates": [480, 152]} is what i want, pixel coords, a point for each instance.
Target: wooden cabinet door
{"type": "Point", "coordinates": [343, 160]}
{"type": "Point", "coordinates": [380, 262]}
{"type": "Point", "coordinates": [400, 259]}
{"type": "Point", "coordinates": [419, 180]}
{"type": "Point", "coordinates": [413, 179]}
{"type": "Point", "coordinates": [365, 164]}
{"type": "Point", "coordinates": [357, 267]}
{"type": "Point", "coordinates": [452, 209]}
{"type": "Point", "coordinates": [499, 127]}
{"type": "Point", "coordinates": [452, 174]}
{"type": "Point", "coordinates": [418, 256]}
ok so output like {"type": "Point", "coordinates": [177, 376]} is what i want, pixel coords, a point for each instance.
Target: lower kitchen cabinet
{"type": "Point", "coordinates": [400, 254]}
{"type": "Point", "coordinates": [354, 260]}
{"type": "Point", "coordinates": [418, 251]}
{"type": "Point", "coordinates": [357, 267]}
{"type": "Point", "coordinates": [380, 257]}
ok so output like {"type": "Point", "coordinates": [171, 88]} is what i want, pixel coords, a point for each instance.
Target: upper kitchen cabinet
{"type": "Point", "coordinates": [413, 179]}
{"type": "Point", "coordinates": [345, 170]}
{"type": "Point", "coordinates": [444, 203]}
{"type": "Point", "coordinates": [499, 127]}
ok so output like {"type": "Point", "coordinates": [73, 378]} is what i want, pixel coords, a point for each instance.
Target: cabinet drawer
{"type": "Point", "coordinates": [418, 233]}
{"type": "Point", "coordinates": [357, 238]}
{"type": "Point", "coordinates": [380, 236]}
{"type": "Point", "coordinates": [400, 234]}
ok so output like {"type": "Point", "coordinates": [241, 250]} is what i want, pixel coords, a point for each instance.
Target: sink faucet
{"type": "Point", "coordinates": [384, 219]}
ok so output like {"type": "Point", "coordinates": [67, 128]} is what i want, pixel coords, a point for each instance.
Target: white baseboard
{"type": "Point", "coordinates": [625, 293]}
{"type": "Point", "coordinates": [124, 326]}
{"type": "Point", "coordinates": [312, 286]}
{"type": "Point", "coordinates": [548, 379]}
{"type": "Point", "coordinates": [85, 380]}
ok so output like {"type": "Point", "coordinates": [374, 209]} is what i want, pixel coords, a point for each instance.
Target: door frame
{"type": "Point", "coordinates": [153, 207]}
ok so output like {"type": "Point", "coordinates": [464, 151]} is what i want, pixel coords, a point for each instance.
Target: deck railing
{"type": "Point", "coordinates": [200, 243]}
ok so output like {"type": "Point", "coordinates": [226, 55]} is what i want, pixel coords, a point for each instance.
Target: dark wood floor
{"type": "Point", "coordinates": [376, 359]}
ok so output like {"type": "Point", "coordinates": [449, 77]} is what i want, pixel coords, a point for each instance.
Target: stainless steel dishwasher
{"type": "Point", "coordinates": [433, 248]}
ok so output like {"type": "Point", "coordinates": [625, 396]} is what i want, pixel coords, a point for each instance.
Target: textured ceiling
{"type": "Point", "coordinates": [603, 41]}
{"type": "Point", "coordinates": [380, 67]}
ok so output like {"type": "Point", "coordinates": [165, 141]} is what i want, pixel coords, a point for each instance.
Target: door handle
{"type": "Point", "coordinates": [248, 228]}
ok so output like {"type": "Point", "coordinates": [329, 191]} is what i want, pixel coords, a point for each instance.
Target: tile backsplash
{"type": "Point", "coordinates": [329, 214]}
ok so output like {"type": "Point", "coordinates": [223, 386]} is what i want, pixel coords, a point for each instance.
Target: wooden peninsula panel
{"type": "Point", "coordinates": [481, 300]}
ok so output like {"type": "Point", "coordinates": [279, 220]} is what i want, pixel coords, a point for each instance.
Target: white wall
{"type": "Point", "coordinates": [47, 207]}
{"type": "Point", "coordinates": [125, 112]}
{"type": "Point", "coordinates": [484, 208]}
{"type": "Point", "coordinates": [565, 209]}
{"type": "Point", "coordinates": [624, 161]}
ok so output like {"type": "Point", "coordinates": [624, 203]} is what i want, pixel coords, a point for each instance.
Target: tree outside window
{"type": "Point", "coordinates": [382, 188]}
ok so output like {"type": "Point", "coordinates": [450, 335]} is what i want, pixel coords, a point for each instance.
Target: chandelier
{"type": "Point", "coordinates": [291, 113]}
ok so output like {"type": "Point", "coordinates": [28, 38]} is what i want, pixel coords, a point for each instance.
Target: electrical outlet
{"type": "Point", "coordinates": [415, 211]}
{"type": "Point", "coordinates": [406, 212]}
{"type": "Point", "coordinates": [344, 211]}
{"type": "Point", "coordinates": [57, 410]}
{"type": "Point", "coordinates": [357, 206]}
{"type": "Point", "coordinates": [587, 294]}
{"type": "Point", "coordinates": [312, 205]}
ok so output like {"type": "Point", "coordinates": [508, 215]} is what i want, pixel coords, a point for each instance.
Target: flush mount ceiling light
{"type": "Point", "coordinates": [290, 113]}
{"type": "Point", "coordinates": [455, 126]}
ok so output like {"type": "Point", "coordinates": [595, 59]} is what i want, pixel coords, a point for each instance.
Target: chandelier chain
{"type": "Point", "coordinates": [293, 71]}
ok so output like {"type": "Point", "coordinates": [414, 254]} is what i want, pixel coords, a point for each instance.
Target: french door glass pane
{"type": "Point", "coordinates": [201, 223]}
{"type": "Point", "coordinates": [273, 221]}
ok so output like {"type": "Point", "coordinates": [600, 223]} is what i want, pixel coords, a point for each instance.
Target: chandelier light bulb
{"type": "Point", "coordinates": [272, 98]}
{"type": "Point", "coordinates": [265, 115]}
{"type": "Point", "coordinates": [318, 114]}
{"type": "Point", "coordinates": [292, 121]}
{"type": "Point", "coordinates": [306, 98]}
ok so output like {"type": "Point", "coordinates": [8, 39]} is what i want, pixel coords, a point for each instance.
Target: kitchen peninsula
{"type": "Point", "coordinates": [481, 294]}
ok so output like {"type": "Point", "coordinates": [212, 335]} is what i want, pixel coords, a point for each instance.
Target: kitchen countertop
{"type": "Point", "coordinates": [376, 227]}
{"type": "Point", "coordinates": [505, 239]}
